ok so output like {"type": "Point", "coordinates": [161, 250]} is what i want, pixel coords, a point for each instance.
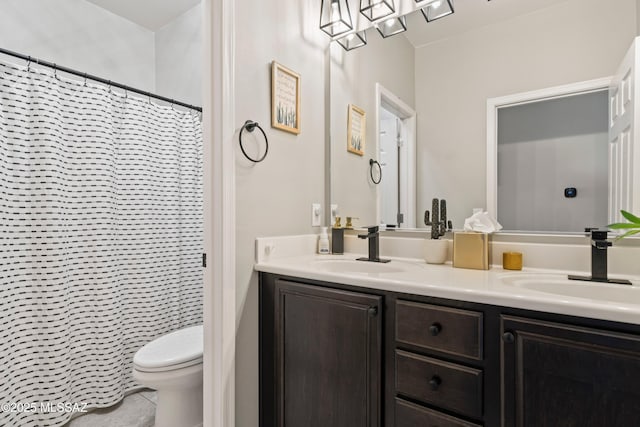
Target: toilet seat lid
{"type": "Point", "coordinates": [176, 348]}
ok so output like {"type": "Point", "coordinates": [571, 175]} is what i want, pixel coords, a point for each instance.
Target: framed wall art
{"type": "Point", "coordinates": [285, 99]}
{"type": "Point", "coordinates": [356, 125]}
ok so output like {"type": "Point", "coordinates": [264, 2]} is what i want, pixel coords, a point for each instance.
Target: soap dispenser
{"type": "Point", "coordinates": [337, 238]}
{"type": "Point", "coordinates": [323, 241]}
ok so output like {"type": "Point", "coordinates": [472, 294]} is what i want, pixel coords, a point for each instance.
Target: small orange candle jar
{"type": "Point", "coordinates": [512, 260]}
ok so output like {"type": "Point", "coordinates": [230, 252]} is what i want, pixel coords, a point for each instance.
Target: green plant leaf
{"type": "Point", "coordinates": [623, 225]}
{"type": "Point", "coordinates": [627, 234]}
{"type": "Point", "coordinates": [630, 217]}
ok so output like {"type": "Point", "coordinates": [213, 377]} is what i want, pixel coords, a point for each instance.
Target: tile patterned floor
{"type": "Point", "coordinates": [136, 410]}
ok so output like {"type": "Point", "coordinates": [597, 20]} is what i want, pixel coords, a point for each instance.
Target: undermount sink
{"type": "Point", "coordinates": [353, 266]}
{"type": "Point", "coordinates": [559, 284]}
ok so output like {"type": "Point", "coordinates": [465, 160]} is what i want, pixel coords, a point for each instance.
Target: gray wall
{"type": "Point", "coordinates": [80, 35]}
{"type": "Point", "coordinates": [638, 17]}
{"type": "Point", "coordinates": [572, 41]}
{"type": "Point", "coordinates": [178, 58]}
{"type": "Point", "coordinates": [545, 147]}
{"type": "Point", "coordinates": [273, 197]}
{"type": "Point", "coordinates": [353, 78]}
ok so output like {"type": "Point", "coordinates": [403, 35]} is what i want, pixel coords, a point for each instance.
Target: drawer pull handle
{"type": "Point", "coordinates": [373, 311]}
{"type": "Point", "coordinates": [435, 382]}
{"type": "Point", "coordinates": [435, 329]}
{"type": "Point", "coordinates": [508, 337]}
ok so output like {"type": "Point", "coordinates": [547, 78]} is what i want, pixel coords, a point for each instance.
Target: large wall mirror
{"type": "Point", "coordinates": [445, 71]}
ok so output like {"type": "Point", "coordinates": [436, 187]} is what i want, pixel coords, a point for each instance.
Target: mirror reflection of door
{"type": "Point", "coordinates": [396, 193]}
{"type": "Point", "coordinates": [624, 192]}
{"type": "Point", "coordinates": [389, 155]}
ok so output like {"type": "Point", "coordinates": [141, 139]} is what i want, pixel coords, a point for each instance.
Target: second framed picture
{"type": "Point", "coordinates": [356, 130]}
{"type": "Point", "coordinates": [285, 99]}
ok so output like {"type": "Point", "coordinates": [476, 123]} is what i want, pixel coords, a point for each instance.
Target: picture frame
{"type": "Point", "coordinates": [356, 130]}
{"type": "Point", "coordinates": [285, 99]}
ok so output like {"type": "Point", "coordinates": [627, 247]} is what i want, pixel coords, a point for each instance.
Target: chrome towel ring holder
{"type": "Point", "coordinates": [250, 126]}
{"type": "Point", "coordinates": [371, 163]}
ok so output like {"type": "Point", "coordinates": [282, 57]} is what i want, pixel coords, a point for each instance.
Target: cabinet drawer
{"type": "Point", "coordinates": [445, 329]}
{"type": "Point", "coordinates": [433, 381]}
{"type": "Point", "coordinates": [411, 415]}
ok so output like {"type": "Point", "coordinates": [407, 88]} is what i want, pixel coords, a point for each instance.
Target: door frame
{"type": "Point", "coordinates": [219, 318]}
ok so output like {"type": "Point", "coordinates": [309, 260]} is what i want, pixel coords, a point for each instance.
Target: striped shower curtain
{"type": "Point", "coordinates": [101, 240]}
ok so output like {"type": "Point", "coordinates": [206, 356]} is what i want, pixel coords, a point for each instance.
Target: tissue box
{"type": "Point", "coordinates": [471, 250]}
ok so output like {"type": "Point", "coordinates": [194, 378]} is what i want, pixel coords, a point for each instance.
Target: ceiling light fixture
{"type": "Point", "coordinates": [374, 10]}
{"type": "Point", "coordinates": [437, 9]}
{"type": "Point", "coordinates": [353, 40]}
{"type": "Point", "coordinates": [336, 20]}
{"type": "Point", "coordinates": [335, 17]}
{"type": "Point", "coordinates": [392, 26]}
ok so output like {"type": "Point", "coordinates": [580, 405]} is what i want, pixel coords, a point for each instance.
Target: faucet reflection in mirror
{"type": "Point", "coordinates": [336, 20]}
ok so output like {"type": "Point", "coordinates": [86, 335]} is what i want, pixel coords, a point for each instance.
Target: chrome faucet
{"type": "Point", "coordinates": [373, 235]}
{"type": "Point", "coordinates": [599, 245]}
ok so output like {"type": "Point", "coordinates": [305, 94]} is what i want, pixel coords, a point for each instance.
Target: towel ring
{"type": "Point", "coordinates": [250, 126]}
{"type": "Point", "coordinates": [371, 163]}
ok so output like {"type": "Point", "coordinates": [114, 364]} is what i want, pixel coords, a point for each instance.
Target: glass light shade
{"type": "Point", "coordinates": [335, 17]}
{"type": "Point", "coordinates": [353, 40]}
{"type": "Point", "coordinates": [392, 26]}
{"type": "Point", "coordinates": [437, 9]}
{"type": "Point", "coordinates": [374, 10]}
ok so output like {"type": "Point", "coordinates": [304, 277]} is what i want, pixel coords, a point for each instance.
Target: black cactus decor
{"type": "Point", "coordinates": [437, 219]}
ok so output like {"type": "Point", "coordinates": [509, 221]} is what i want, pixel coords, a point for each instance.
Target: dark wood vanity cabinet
{"type": "Point", "coordinates": [556, 374]}
{"type": "Point", "coordinates": [427, 338]}
{"type": "Point", "coordinates": [324, 349]}
{"type": "Point", "coordinates": [343, 356]}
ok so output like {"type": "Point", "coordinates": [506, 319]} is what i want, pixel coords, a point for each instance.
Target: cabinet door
{"type": "Point", "coordinates": [328, 357]}
{"type": "Point", "coordinates": [561, 375]}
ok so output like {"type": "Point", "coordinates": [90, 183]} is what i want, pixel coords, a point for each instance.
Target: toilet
{"type": "Point", "coordinates": [172, 365]}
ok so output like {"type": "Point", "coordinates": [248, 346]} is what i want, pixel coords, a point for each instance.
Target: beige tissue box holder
{"type": "Point", "coordinates": [471, 250]}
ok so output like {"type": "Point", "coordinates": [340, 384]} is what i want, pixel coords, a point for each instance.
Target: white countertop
{"type": "Point", "coordinates": [487, 287]}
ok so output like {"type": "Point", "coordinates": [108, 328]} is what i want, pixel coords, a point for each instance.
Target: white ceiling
{"type": "Point", "coordinates": [469, 14]}
{"type": "Point", "coordinates": [151, 14]}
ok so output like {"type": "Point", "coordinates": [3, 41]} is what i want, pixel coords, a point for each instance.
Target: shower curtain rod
{"type": "Point", "coordinates": [30, 59]}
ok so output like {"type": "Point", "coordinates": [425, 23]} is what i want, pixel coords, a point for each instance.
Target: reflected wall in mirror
{"type": "Point", "coordinates": [552, 163]}
{"type": "Point", "coordinates": [447, 70]}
